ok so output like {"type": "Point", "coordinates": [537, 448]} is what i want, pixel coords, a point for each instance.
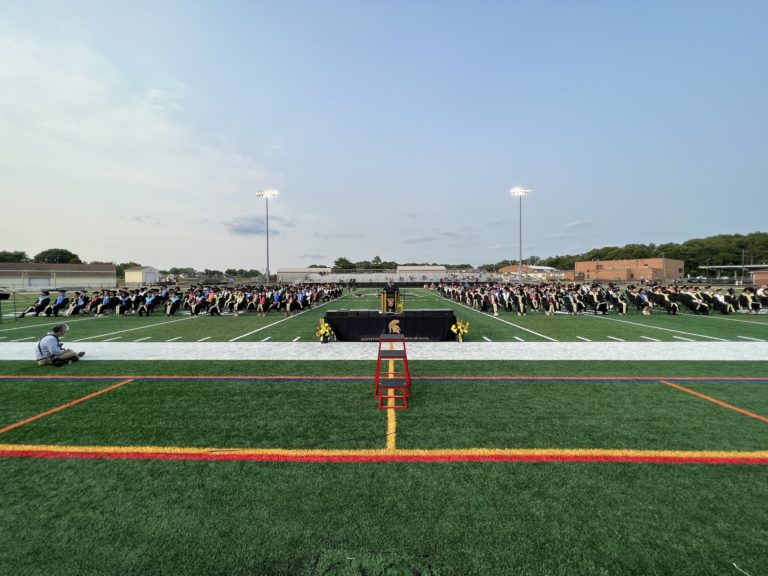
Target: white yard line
{"type": "Point", "coordinates": [584, 339]}
{"type": "Point", "coordinates": [142, 339]}
{"type": "Point", "coordinates": [519, 339]}
{"type": "Point", "coordinates": [22, 339]}
{"type": "Point", "coordinates": [60, 319]}
{"type": "Point", "coordinates": [174, 339]}
{"type": "Point", "coordinates": [729, 319]}
{"type": "Point", "coordinates": [684, 339]}
{"type": "Point", "coordinates": [3, 337]}
{"type": "Point", "coordinates": [501, 320]}
{"type": "Point", "coordinates": [137, 328]}
{"type": "Point", "coordinates": [614, 338]}
{"type": "Point", "coordinates": [204, 339]}
{"type": "Point", "coordinates": [296, 339]}
{"type": "Point", "coordinates": [487, 339]}
{"type": "Point", "coordinates": [284, 319]}
{"type": "Point", "coordinates": [265, 339]}
{"type": "Point", "coordinates": [748, 338]}
{"type": "Point", "coordinates": [651, 339]}
{"type": "Point", "coordinates": [657, 327]}
{"type": "Point", "coordinates": [112, 339]}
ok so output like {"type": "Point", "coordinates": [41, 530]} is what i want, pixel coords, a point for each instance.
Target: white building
{"type": "Point", "coordinates": [419, 273]}
{"type": "Point", "coordinates": [288, 275]}
{"type": "Point", "coordinates": [141, 276]}
{"type": "Point", "coordinates": [17, 276]}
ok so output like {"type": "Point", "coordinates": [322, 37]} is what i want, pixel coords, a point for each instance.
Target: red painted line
{"type": "Point", "coordinates": [388, 458]}
{"type": "Point", "coordinates": [715, 401]}
{"type": "Point", "coordinates": [63, 406]}
{"type": "Point", "coordinates": [421, 377]}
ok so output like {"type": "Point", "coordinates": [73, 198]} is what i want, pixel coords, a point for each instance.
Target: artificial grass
{"type": "Point", "coordinates": [535, 327]}
{"type": "Point", "coordinates": [85, 517]}
{"type": "Point", "coordinates": [458, 411]}
{"type": "Point", "coordinates": [158, 518]}
{"type": "Point", "coordinates": [661, 369]}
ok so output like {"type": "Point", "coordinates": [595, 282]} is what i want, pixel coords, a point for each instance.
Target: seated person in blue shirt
{"type": "Point", "coordinates": [50, 350]}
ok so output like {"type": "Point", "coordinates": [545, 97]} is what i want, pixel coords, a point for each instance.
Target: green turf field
{"type": "Point", "coordinates": [535, 327]}
{"type": "Point", "coordinates": [170, 467]}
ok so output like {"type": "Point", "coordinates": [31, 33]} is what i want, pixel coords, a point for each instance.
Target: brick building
{"type": "Point", "coordinates": [648, 269]}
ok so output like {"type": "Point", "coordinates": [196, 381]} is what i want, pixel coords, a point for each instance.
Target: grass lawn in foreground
{"type": "Point", "coordinates": [84, 517]}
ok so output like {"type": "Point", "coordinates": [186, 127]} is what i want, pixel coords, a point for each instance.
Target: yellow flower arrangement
{"type": "Point", "coordinates": [324, 331]}
{"type": "Point", "coordinates": [460, 328]}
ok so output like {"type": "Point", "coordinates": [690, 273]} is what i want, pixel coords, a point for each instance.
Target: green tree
{"type": "Point", "coordinates": [123, 266]}
{"type": "Point", "coordinates": [344, 264]}
{"type": "Point", "coordinates": [57, 256]}
{"type": "Point", "coordinates": [13, 256]}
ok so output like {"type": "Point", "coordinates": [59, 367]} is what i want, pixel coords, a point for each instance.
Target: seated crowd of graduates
{"type": "Point", "coordinates": [558, 298]}
{"type": "Point", "coordinates": [214, 301]}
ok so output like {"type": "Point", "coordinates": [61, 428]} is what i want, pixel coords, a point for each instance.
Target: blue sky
{"type": "Point", "coordinates": [390, 128]}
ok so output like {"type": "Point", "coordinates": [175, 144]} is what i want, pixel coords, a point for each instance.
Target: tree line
{"type": "Point", "coordinates": [723, 249]}
{"type": "Point", "coordinates": [717, 250]}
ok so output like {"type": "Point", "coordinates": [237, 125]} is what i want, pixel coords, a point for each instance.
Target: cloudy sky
{"type": "Point", "coordinates": [141, 131]}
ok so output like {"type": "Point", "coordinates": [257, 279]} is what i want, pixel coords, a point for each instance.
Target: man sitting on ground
{"type": "Point", "coordinates": [50, 350]}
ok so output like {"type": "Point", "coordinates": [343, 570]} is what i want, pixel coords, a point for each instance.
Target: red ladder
{"type": "Point", "coordinates": [392, 384]}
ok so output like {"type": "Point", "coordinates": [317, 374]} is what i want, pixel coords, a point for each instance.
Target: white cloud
{"type": "Point", "coordinates": [74, 133]}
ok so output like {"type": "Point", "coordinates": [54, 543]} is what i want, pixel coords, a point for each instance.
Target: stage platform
{"type": "Point", "coordinates": [415, 325]}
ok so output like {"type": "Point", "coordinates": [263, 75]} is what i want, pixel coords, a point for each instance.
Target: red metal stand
{"type": "Point", "coordinates": [394, 383]}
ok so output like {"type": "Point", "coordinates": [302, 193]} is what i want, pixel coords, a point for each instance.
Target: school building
{"type": "Point", "coordinates": [640, 269]}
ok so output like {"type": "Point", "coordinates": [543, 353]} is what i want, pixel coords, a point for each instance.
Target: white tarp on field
{"type": "Point", "coordinates": [679, 351]}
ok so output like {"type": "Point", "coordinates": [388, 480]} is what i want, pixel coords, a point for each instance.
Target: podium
{"type": "Point", "coordinates": [390, 301]}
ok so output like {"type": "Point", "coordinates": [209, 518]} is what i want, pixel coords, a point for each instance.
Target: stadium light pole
{"type": "Point", "coordinates": [267, 194]}
{"type": "Point", "coordinates": [519, 191]}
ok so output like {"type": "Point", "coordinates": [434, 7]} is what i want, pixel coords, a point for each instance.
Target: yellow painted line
{"type": "Point", "coordinates": [63, 406]}
{"type": "Point", "coordinates": [391, 412]}
{"type": "Point", "coordinates": [382, 452]}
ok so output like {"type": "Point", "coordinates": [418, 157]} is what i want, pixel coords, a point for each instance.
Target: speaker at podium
{"type": "Point", "coordinates": [389, 299]}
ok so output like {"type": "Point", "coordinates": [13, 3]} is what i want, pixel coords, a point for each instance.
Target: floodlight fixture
{"type": "Point", "coordinates": [519, 191]}
{"type": "Point", "coordinates": [267, 194]}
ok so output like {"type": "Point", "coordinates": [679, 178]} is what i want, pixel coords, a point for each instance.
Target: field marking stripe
{"type": "Point", "coordinates": [287, 318]}
{"type": "Point", "coordinates": [64, 406]}
{"type": "Point", "coordinates": [508, 377]}
{"type": "Point", "coordinates": [656, 327]}
{"type": "Point", "coordinates": [132, 329]}
{"type": "Point", "coordinates": [710, 317]}
{"type": "Point", "coordinates": [501, 320]}
{"type": "Point", "coordinates": [649, 338]}
{"type": "Point", "coordinates": [715, 401]}
{"type": "Point", "coordinates": [383, 455]}
{"type": "Point", "coordinates": [748, 338]}
{"type": "Point", "coordinates": [44, 324]}
{"type": "Point", "coordinates": [391, 412]}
